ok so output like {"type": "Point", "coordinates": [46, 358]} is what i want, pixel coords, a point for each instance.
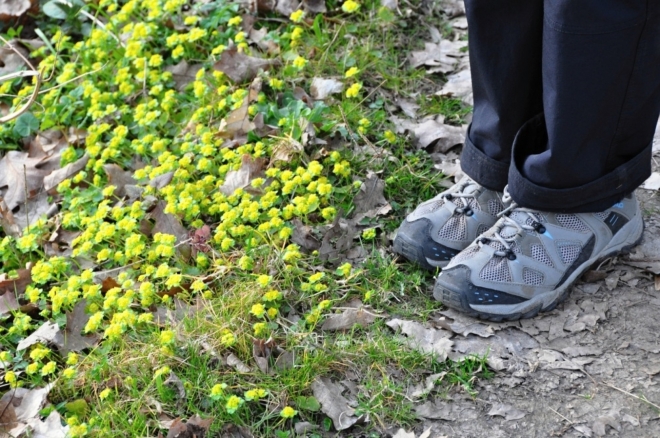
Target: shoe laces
{"type": "Point", "coordinates": [467, 191]}
{"type": "Point", "coordinates": [514, 220]}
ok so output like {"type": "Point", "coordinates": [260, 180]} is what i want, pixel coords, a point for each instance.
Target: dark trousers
{"type": "Point", "coordinates": [566, 99]}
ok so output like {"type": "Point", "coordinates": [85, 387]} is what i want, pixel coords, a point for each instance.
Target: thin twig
{"type": "Point", "coordinates": [645, 400]}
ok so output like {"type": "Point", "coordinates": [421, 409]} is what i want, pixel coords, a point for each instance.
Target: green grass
{"type": "Point", "coordinates": [122, 380]}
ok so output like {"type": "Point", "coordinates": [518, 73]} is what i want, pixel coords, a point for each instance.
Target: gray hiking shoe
{"type": "Point", "coordinates": [527, 262]}
{"type": "Point", "coordinates": [442, 227]}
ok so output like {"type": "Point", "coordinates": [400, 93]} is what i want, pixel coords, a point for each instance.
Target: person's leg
{"type": "Point", "coordinates": [505, 57]}
{"type": "Point", "coordinates": [574, 165]}
{"type": "Point", "coordinates": [601, 98]}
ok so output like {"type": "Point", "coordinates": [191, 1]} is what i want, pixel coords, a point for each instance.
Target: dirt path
{"type": "Point", "coordinates": [581, 370]}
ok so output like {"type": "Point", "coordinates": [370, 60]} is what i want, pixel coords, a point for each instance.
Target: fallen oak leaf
{"type": "Point", "coordinates": [167, 223]}
{"type": "Point", "coordinates": [76, 320]}
{"type": "Point", "coordinates": [7, 221]}
{"type": "Point", "coordinates": [431, 341]}
{"type": "Point", "coordinates": [509, 412]}
{"type": "Point", "coordinates": [54, 178]}
{"type": "Point", "coordinates": [47, 333]}
{"type": "Point", "coordinates": [349, 318]}
{"type": "Point", "coordinates": [303, 236]}
{"type": "Point", "coordinates": [334, 404]}
{"type": "Point", "coordinates": [19, 406]}
{"type": "Point", "coordinates": [321, 88]}
{"type": "Point", "coordinates": [237, 123]}
{"type": "Point", "coordinates": [195, 427]}
{"type": "Point", "coordinates": [370, 201]}
{"type": "Point", "coordinates": [240, 67]}
{"type": "Point", "coordinates": [119, 178]}
{"type": "Point", "coordinates": [250, 169]}
{"type": "Point", "coordinates": [442, 56]}
{"type": "Point", "coordinates": [459, 86]}
{"type": "Point", "coordinates": [20, 177]}
{"type": "Point", "coordinates": [183, 73]}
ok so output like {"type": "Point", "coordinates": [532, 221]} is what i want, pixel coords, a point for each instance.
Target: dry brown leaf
{"type": "Point", "coordinates": [333, 403]}
{"type": "Point", "coordinates": [370, 201]}
{"type": "Point", "coordinates": [54, 178]}
{"type": "Point", "coordinates": [74, 340]}
{"type": "Point", "coordinates": [303, 236]}
{"type": "Point", "coordinates": [261, 352]}
{"type": "Point", "coordinates": [315, 6]}
{"type": "Point", "coordinates": [119, 178]}
{"type": "Point", "coordinates": [12, 9]}
{"type": "Point", "coordinates": [51, 427]}
{"type": "Point", "coordinates": [195, 427]}
{"type": "Point", "coordinates": [442, 57]}
{"type": "Point", "coordinates": [176, 383]}
{"type": "Point", "coordinates": [34, 209]}
{"type": "Point", "coordinates": [463, 325]}
{"type": "Point", "coordinates": [408, 107]}
{"type": "Point", "coordinates": [338, 241]}
{"type": "Point", "coordinates": [20, 406]}
{"type": "Point", "coordinates": [169, 224]}
{"type": "Point", "coordinates": [240, 67]}
{"type": "Point", "coordinates": [423, 388]}
{"type": "Point", "coordinates": [458, 86]}
{"type": "Point", "coordinates": [161, 180]}
{"type": "Point", "coordinates": [183, 73]}
{"type": "Point", "coordinates": [347, 319]}
{"type": "Point", "coordinates": [7, 221]}
{"type": "Point", "coordinates": [438, 410]}
{"type": "Point", "coordinates": [237, 123]}
{"type": "Point", "coordinates": [234, 362]}
{"type": "Point", "coordinates": [284, 150]}
{"type": "Point", "coordinates": [438, 135]}
{"type": "Point", "coordinates": [48, 333]}
{"type": "Point", "coordinates": [426, 340]}
{"type": "Point", "coordinates": [321, 88]}
{"type": "Point", "coordinates": [11, 288]}
{"type": "Point", "coordinates": [241, 178]}
{"type": "Point", "coordinates": [20, 176]}
{"type": "Point", "coordinates": [453, 8]}
{"type": "Point", "coordinates": [60, 243]}
{"type": "Point", "coordinates": [507, 411]}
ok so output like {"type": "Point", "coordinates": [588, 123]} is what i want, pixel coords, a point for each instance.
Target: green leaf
{"type": "Point", "coordinates": [55, 9]}
{"type": "Point", "coordinates": [26, 124]}
{"type": "Point", "coordinates": [308, 403]}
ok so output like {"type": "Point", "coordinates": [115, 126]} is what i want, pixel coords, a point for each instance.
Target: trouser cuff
{"type": "Point", "coordinates": [485, 170]}
{"type": "Point", "coordinates": [595, 196]}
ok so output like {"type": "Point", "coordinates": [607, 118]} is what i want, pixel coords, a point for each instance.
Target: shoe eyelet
{"type": "Point", "coordinates": [449, 197]}
{"type": "Point", "coordinates": [468, 212]}
{"type": "Point", "coordinates": [538, 227]}
{"type": "Point", "coordinates": [484, 240]}
{"type": "Point", "coordinates": [511, 255]}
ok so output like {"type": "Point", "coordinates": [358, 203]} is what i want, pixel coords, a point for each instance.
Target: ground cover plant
{"type": "Point", "coordinates": [197, 208]}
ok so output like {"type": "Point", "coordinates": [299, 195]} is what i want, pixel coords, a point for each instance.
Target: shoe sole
{"type": "Point", "coordinates": [549, 300]}
{"type": "Point", "coordinates": [408, 248]}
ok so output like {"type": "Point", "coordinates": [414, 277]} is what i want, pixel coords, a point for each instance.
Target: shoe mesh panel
{"type": "Point", "coordinates": [572, 222]}
{"type": "Point", "coordinates": [539, 254]}
{"type": "Point", "coordinates": [602, 215]}
{"type": "Point", "coordinates": [482, 229]}
{"type": "Point", "coordinates": [426, 208]}
{"type": "Point", "coordinates": [454, 229]}
{"type": "Point", "coordinates": [467, 253]}
{"type": "Point", "coordinates": [532, 277]}
{"type": "Point", "coordinates": [497, 269]}
{"type": "Point", "coordinates": [494, 207]}
{"type": "Point", "coordinates": [569, 253]}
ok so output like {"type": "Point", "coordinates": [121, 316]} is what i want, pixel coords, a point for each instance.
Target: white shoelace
{"type": "Point", "coordinates": [462, 194]}
{"type": "Point", "coordinates": [509, 229]}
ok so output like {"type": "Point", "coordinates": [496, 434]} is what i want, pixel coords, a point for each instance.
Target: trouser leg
{"type": "Point", "coordinates": [505, 56]}
{"type": "Point", "coordinates": [591, 145]}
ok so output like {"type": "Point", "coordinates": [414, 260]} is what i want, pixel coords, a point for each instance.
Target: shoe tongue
{"type": "Point", "coordinates": [517, 216]}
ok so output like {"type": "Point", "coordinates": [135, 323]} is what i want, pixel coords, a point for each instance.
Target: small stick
{"type": "Point", "coordinates": [645, 400]}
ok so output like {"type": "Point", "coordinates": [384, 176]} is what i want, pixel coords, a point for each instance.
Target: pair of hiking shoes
{"type": "Point", "coordinates": [504, 262]}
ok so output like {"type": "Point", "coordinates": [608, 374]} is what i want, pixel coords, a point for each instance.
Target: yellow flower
{"type": "Point", "coordinates": [49, 368]}
{"type": "Point", "coordinates": [105, 393]}
{"type": "Point", "coordinates": [218, 390]}
{"type": "Point", "coordinates": [288, 412]}
{"type": "Point", "coordinates": [300, 62]}
{"type": "Point", "coordinates": [272, 295]}
{"type": "Point", "coordinates": [389, 136]}
{"type": "Point", "coordinates": [258, 310]}
{"type": "Point", "coordinates": [167, 337]}
{"type": "Point", "coordinates": [369, 234]}
{"type": "Point", "coordinates": [354, 89]}
{"type": "Point", "coordinates": [352, 72]}
{"type": "Point", "coordinates": [264, 280]}
{"type": "Point", "coordinates": [350, 6]}
{"type": "Point", "coordinates": [233, 403]}
{"type": "Point", "coordinates": [235, 21]}
{"type": "Point", "coordinates": [297, 16]}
